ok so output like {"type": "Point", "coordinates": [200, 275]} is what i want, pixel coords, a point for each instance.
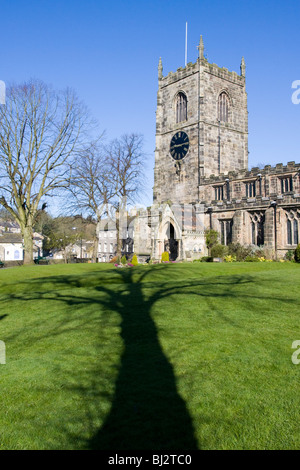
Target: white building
{"type": "Point", "coordinates": [11, 247]}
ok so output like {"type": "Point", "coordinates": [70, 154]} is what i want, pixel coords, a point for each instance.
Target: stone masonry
{"type": "Point", "coordinates": [211, 186]}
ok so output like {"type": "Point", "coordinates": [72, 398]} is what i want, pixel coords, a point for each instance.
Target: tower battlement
{"type": "Point", "coordinates": [220, 72]}
{"type": "Point", "coordinates": [278, 170]}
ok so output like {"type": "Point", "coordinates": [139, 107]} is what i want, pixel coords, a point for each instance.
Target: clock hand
{"type": "Point", "coordinates": [174, 146]}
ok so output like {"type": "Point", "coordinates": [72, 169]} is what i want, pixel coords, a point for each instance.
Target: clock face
{"type": "Point", "coordinates": [179, 145]}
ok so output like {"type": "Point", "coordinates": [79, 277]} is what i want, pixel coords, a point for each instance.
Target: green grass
{"type": "Point", "coordinates": [180, 356]}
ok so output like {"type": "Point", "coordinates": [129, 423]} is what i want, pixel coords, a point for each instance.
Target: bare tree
{"type": "Point", "coordinates": [108, 176]}
{"type": "Point", "coordinates": [90, 184]}
{"type": "Point", "coordinates": [126, 161]}
{"type": "Point", "coordinates": [39, 130]}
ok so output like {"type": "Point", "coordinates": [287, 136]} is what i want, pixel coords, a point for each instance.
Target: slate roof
{"type": "Point", "coordinates": [7, 237]}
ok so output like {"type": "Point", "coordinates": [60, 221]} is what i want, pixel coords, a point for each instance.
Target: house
{"type": "Point", "coordinates": [107, 239]}
{"type": "Point", "coordinates": [9, 226]}
{"type": "Point", "coordinates": [11, 247]}
{"type": "Point", "coordinates": [82, 249]}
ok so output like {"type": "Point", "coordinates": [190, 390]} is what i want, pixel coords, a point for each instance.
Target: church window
{"type": "Point", "coordinates": [296, 235]}
{"type": "Point", "coordinates": [250, 189]}
{"type": "Point", "coordinates": [257, 228]}
{"type": "Point", "coordinates": [292, 226]}
{"type": "Point", "coordinates": [223, 107]}
{"type": "Point", "coordinates": [219, 193]}
{"type": "Point", "coordinates": [289, 232]}
{"type": "Point", "coordinates": [181, 107]}
{"type": "Point", "coordinates": [286, 185]}
{"type": "Point", "coordinates": [226, 231]}
{"type": "Point", "coordinates": [253, 233]}
{"type": "Point", "coordinates": [260, 233]}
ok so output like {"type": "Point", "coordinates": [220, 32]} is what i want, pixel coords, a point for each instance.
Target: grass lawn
{"type": "Point", "coordinates": [181, 356]}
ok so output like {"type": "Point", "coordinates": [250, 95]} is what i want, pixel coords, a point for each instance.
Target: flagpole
{"type": "Point", "coordinates": [186, 43]}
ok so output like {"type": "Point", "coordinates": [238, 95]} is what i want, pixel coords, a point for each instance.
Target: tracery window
{"type": "Point", "coordinates": [292, 227]}
{"type": "Point", "coordinates": [181, 107]}
{"type": "Point", "coordinates": [296, 232]}
{"type": "Point", "coordinates": [289, 232]}
{"type": "Point", "coordinates": [223, 107]}
{"type": "Point", "coordinates": [257, 228]}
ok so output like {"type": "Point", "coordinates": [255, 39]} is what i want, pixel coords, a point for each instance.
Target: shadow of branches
{"type": "Point", "coordinates": [146, 410]}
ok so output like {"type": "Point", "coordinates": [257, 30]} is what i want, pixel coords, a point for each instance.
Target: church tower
{"type": "Point", "coordinates": [201, 128]}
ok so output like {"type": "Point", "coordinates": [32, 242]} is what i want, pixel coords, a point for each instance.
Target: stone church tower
{"type": "Point", "coordinates": [201, 128]}
{"type": "Point", "coordinates": [201, 176]}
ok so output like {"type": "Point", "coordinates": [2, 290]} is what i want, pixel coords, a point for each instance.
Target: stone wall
{"type": "Point", "coordinates": [269, 201]}
{"type": "Point", "coordinates": [224, 141]}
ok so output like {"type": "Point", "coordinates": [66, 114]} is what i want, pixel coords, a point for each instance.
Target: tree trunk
{"type": "Point", "coordinates": [119, 241]}
{"type": "Point", "coordinates": [95, 250]}
{"type": "Point", "coordinates": [28, 244]}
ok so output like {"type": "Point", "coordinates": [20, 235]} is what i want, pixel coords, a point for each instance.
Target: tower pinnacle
{"type": "Point", "coordinates": [160, 69]}
{"type": "Point", "coordinates": [201, 48]}
{"type": "Point", "coordinates": [243, 67]}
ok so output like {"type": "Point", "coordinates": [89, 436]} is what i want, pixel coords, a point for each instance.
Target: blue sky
{"type": "Point", "coordinates": [109, 51]}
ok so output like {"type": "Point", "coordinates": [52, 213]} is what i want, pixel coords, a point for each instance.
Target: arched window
{"type": "Point", "coordinates": [253, 233]}
{"type": "Point", "coordinates": [289, 232]}
{"type": "Point", "coordinates": [181, 107]}
{"type": "Point", "coordinates": [223, 107]}
{"type": "Point", "coordinates": [257, 228]}
{"type": "Point", "coordinates": [296, 236]}
{"type": "Point", "coordinates": [292, 226]}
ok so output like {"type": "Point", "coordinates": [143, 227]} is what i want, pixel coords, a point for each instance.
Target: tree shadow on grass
{"type": "Point", "coordinates": [146, 410]}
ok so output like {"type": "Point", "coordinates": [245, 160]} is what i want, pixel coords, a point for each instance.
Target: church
{"type": "Point", "coordinates": [201, 175]}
